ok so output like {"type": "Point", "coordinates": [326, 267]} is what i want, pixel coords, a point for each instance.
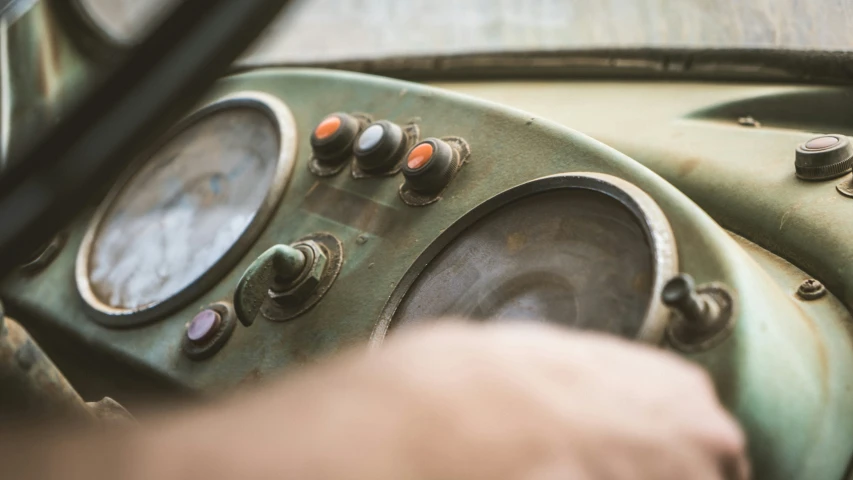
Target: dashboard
{"type": "Point", "coordinates": [297, 212]}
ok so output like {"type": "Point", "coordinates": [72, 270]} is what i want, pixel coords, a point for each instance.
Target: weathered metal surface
{"type": "Point", "coordinates": [796, 408]}
{"type": "Point", "coordinates": [830, 319]}
{"type": "Point", "coordinates": [743, 177]}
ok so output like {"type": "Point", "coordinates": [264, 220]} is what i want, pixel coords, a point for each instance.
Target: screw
{"type": "Point", "coordinates": [361, 240]}
{"type": "Point", "coordinates": [811, 289]}
{"type": "Point", "coordinates": [697, 310]}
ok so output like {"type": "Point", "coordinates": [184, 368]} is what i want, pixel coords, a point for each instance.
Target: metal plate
{"type": "Point", "coordinates": [188, 210]}
{"type": "Point", "coordinates": [587, 251]}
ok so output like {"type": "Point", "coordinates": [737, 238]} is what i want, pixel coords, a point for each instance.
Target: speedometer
{"type": "Point", "coordinates": [188, 211]}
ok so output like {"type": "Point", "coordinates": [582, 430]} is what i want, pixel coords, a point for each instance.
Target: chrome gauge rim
{"type": "Point", "coordinates": [285, 128]}
{"type": "Point", "coordinates": [647, 212]}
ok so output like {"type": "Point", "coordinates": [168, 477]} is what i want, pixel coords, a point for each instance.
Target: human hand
{"type": "Point", "coordinates": [462, 401]}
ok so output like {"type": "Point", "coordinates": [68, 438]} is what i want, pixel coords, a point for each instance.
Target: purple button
{"type": "Point", "coordinates": [822, 143]}
{"type": "Point", "coordinates": [203, 326]}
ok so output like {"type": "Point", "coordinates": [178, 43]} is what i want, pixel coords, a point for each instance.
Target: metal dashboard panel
{"type": "Point", "coordinates": [787, 379]}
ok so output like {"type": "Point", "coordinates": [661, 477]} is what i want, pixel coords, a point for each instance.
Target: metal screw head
{"type": "Point", "coordinates": [811, 289]}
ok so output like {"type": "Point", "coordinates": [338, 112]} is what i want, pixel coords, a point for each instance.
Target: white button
{"type": "Point", "coordinates": [370, 137]}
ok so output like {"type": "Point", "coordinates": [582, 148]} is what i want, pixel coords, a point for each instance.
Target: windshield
{"type": "Point", "coordinates": [324, 30]}
{"type": "Point", "coordinates": [331, 30]}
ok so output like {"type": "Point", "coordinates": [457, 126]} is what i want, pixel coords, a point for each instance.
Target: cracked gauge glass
{"type": "Point", "coordinates": [182, 212]}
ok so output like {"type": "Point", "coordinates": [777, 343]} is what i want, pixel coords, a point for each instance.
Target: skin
{"type": "Point", "coordinates": [449, 401]}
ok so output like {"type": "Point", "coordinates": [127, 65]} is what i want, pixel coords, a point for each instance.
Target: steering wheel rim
{"type": "Point", "coordinates": [162, 77]}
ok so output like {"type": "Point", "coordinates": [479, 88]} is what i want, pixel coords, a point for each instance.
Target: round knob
{"type": "Point", "coordinates": [826, 156]}
{"type": "Point", "coordinates": [380, 146]}
{"type": "Point", "coordinates": [429, 166]}
{"type": "Point", "coordinates": [332, 138]}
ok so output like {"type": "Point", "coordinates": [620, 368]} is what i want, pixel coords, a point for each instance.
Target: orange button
{"type": "Point", "coordinates": [327, 127]}
{"type": "Point", "coordinates": [420, 156]}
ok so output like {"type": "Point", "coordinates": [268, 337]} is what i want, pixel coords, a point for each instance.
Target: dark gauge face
{"type": "Point", "coordinates": [184, 209]}
{"type": "Point", "coordinates": [574, 257]}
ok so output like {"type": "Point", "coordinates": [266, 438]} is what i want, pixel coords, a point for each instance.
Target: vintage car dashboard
{"type": "Point", "coordinates": [297, 212]}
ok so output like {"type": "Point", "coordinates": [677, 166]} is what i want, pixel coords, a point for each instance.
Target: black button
{"type": "Point", "coordinates": [332, 138]}
{"type": "Point", "coordinates": [429, 166]}
{"type": "Point", "coordinates": [380, 146]}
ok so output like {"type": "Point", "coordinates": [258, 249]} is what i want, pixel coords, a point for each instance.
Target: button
{"type": "Point", "coordinates": [430, 166]}
{"type": "Point", "coordinates": [327, 127]}
{"type": "Point", "coordinates": [203, 326]}
{"type": "Point", "coordinates": [419, 156]}
{"type": "Point", "coordinates": [821, 143]}
{"type": "Point", "coordinates": [824, 157]}
{"type": "Point", "coordinates": [370, 137]}
{"type": "Point", "coordinates": [333, 137]}
{"type": "Point", "coordinates": [380, 147]}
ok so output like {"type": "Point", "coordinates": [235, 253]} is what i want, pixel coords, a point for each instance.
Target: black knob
{"type": "Point", "coordinates": [824, 157]}
{"type": "Point", "coordinates": [332, 138]}
{"type": "Point", "coordinates": [429, 166]}
{"type": "Point", "coordinates": [380, 146]}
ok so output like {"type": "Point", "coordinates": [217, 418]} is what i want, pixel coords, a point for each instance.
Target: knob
{"type": "Point", "coordinates": [429, 166]}
{"type": "Point", "coordinates": [680, 294]}
{"type": "Point", "coordinates": [332, 138]}
{"type": "Point", "coordinates": [281, 264]}
{"type": "Point", "coordinates": [823, 157]}
{"type": "Point", "coordinates": [380, 146]}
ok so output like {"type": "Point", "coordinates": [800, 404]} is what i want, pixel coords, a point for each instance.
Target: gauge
{"type": "Point", "coordinates": [585, 251]}
{"type": "Point", "coordinates": [124, 21]}
{"type": "Point", "coordinates": [190, 209]}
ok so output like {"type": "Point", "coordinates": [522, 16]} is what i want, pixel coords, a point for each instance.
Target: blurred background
{"type": "Point", "coordinates": [328, 30]}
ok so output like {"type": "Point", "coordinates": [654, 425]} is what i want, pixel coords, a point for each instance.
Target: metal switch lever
{"type": "Point", "coordinates": [279, 266]}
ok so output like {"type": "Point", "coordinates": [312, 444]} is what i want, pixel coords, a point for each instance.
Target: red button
{"type": "Point", "coordinates": [327, 127]}
{"type": "Point", "coordinates": [420, 156]}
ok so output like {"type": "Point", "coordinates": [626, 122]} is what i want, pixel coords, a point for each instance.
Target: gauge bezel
{"type": "Point", "coordinates": [281, 117]}
{"type": "Point", "coordinates": [647, 212]}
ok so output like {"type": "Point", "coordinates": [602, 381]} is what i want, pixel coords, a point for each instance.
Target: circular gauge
{"type": "Point", "coordinates": [124, 22]}
{"type": "Point", "coordinates": [588, 251]}
{"type": "Point", "coordinates": [188, 211]}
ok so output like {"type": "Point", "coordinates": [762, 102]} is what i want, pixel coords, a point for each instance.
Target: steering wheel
{"type": "Point", "coordinates": [161, 78]}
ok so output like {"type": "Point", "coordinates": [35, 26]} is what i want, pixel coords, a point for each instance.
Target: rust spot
{"type": "Point", "coordinates": [516, 241]}
{"type": "Point", "coordinates": [688, 166]}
